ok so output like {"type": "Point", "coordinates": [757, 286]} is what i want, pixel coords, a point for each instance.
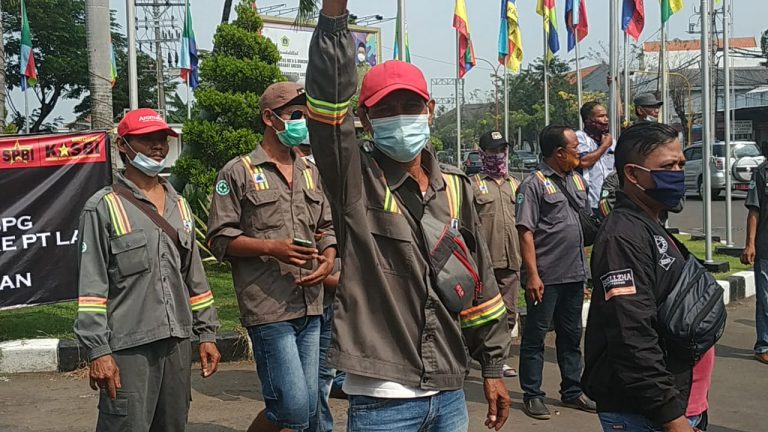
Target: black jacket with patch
{"type": "Point", "coordinates": [635, 264]}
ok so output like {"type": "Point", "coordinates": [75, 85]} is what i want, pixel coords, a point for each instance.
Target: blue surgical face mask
{"type": "Point", "coordinates": [295, 132]}
{"type": "Point", "coordinates": [669, 188]}
{"type": "Point", "coordinates": [401, 137]}
{"type": "Point", "coordinates": [146, 164]}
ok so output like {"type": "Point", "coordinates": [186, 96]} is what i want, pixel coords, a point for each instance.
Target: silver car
{"type": "Point", "coordinates": [745, 157]}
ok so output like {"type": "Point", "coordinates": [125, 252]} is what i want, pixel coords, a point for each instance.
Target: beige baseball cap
{"type": "Point", "coordinates": [281, 94]}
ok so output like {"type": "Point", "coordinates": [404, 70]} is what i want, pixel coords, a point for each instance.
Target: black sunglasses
{"type": "Point", "coordinates": [295, 115]}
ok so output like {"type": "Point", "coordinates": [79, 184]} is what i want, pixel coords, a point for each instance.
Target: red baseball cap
{"type": "Point", "coordinates": [143, 121]}
{"type": "Point", "coordinates": [390, 76]}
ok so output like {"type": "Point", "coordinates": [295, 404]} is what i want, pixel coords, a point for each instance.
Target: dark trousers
{"type": "Point", "coordinates": [561, 303]}
{"type": "Point", "coordinates": [156, 389]}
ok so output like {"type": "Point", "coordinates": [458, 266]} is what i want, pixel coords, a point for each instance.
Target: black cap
{"type": "Point", "coordinates": [492, 140]}
{"type": "Point", "coordinates": [647, 99]}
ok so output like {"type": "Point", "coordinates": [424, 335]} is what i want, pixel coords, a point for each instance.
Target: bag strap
{"type": "Point", "coordinates": [571, 199]}
{"type": "Point", "coordinates": [151, 213]}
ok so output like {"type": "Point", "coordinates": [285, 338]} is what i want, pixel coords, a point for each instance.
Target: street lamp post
{"type": "Point", "coordinates": [495, 85]}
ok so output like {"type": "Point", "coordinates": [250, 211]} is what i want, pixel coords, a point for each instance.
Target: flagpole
{"type": "Point", "coordinates": [664, 73]}
{"type": "Point", "coordinates": [546, 78]}
{"type": "Point", "coordinates": [506, 103]}
{"type": "Point", "coordinates": [186, 78]}
{"type": "Point", "coordinates": [727, 121]}
{"type": "Point", "coordinates": [401, 29]}
{"type": "Point", "coordinates": [706, 106]}
{"type": "Point", "coordinates": [614, 67]}
{"type": "Point", "coordinates": [26, 104]}
{"type": "Point", "coordinates": [627, 116]}
{"type": "Point", "coordinates": [579, 85]}
{"type": "Point", "coordinates": [130, 28]}
{"type": "Point", "coordinates": [458, 100]}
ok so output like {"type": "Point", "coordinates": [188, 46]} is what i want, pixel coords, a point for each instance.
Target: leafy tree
{"type": "Point", "coordinates": [232, 77]}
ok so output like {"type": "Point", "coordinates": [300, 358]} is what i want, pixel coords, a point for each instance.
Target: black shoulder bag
{"type": "Point", "coordinates": [589, 223]}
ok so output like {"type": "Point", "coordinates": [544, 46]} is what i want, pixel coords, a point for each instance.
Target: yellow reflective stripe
{"type": "Point", "coordinates": [92, 305]}
{"type": "Point", "coordinates": [481, 184]}
{"type": "Point", "coordinates": [327, 112]}
{"type": "Point", "coordinates": [483, 313]}
{"type": "Point", "coordinates": [579, 183]}
{"type": "Point", "coordinates": [390, 205]}
{"type": "Point", "coordinates": [605, 208]}
{"type": "Point", "coordinates": [117, 214]}
{"type": "Point", "coordinates": [454, 191]}
{"type": "Point", "coordinates": [260, 185]}
{"type": "Point", "coordinates": [514, 184]}
{"type": "Point", "coordinates": [547, 183]}
{"type": "Point", "coordinates": [185, 213]}
{"type": "Point", "coordinates": [308, 179]}
{"type": "Point", "coordinates": [201, 301]}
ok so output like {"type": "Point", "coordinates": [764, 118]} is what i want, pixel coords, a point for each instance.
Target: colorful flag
{"type": "Point", "coordinates": [546, 8]}
{"type": "Point", "coordinates": [188, 55]}
{"type": "Point", "coordinates": [576, 22]}
{"type": "Point", "coordinates": [112, 62]}
{"type": "Point", "coordinates": [397, 40]}
{"type": "Point", "coordinates": [27, 59]}
{"type": "Point", "coordinates": [669, 8]}
{"type": "Point", "coordinates": [510, 37]}
{"type": "Point", "coordinates": [466, 52]}
{"type": "Point", "coordinates": [633, 17]}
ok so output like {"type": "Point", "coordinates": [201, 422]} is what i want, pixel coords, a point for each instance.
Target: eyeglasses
{"type": "Point", "coordinates": [386, 109]}
{"type": "Point", "coordinates": [295, 115]}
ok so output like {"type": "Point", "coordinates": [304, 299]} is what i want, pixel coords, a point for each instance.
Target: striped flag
{"type": "Point", "coordinates": [576, 22]}
{"type": "Point", "coordinates": [189, 60]}
{"type": "Point", "coordinates": [27, 59]}
{"type": "Point", "coordinates": [112, 62]}
{"type": "Point", "coordinates": [669, 8]}
{"type": "Point", "coordinates": [396, 54]}
{"type": "Point", "coordinates": [546, 8]}
{"type": "Point", "coordinates": [466, 54]}
{"type": "Point", "coordinates": [510, 37]}
{"type": "Point", "coordinates": [633, 17]}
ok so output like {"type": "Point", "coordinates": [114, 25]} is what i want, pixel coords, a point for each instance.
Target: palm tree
{"type": "Point", "coordinates": [226, 11]}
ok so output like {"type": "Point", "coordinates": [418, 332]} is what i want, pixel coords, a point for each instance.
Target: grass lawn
{"type": "Point", "coordinates": [55, 321]}
{"type": "Point", "coordinates": [698, 248]}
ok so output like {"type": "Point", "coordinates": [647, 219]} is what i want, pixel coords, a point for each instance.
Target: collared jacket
{"type": "Point", "coordinates": [495, 204]}
{"type": "Point", "coordinates": [389, 322]}
{"type": "Point", "coordinates": [635, 264]}
{"type": "Point", "coordinates": [135, 286]}
{"type": "Point", "coordinates": [543, 209]}
{"type": "Point", "coordinates": [252, 198]}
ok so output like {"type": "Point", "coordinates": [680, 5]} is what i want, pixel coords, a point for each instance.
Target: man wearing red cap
{"type": "Point", "coordinates": [270, 219]}
{"type": "Point", "coordinates": [142, 289]}
{"type": "Point", "coordinates": [417, 284]}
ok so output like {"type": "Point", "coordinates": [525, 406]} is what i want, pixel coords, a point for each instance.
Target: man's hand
{"type": "Point", "coordinates": [607, 140]}
{"type": "Point", "coordinates": [498, 403]}
{"type": "Point", "coordinates": [534, 289]}
{"type": "Point", "coordinates": [323, 270]}
{"type": "Point", "coordinates": [105, 374]}
{"type": "Point", "coordinates": [334, 8]}
{"type": "Point", "coordinates": [748, 256]}
{"type": "Point", "coordinates": [679, 424]}
{"type": "Point", "coordinates": [289, 253]}
{"type": "Point", "coordinates": [209, 359]}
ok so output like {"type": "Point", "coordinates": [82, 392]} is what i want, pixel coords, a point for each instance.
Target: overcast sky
{"type": "Point", "coordinates": [432, 37]}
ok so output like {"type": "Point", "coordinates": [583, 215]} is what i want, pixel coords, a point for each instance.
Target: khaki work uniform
{"type": "Point", "coordinates": [140, 300]}
{"type": "Point", "coordinates": [495, 204]}
{"type": "Point", "coordinates": [389, 322]}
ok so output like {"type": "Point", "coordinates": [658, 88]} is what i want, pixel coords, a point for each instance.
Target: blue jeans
{"type": "Point", "coordinates": [287, 357]}
{"type": "Point", "coordinates": [322, 421]}
{"type": "Point", "coordinates": [443, 412]}
{"type": "Point", "coordinates": [561, 303]}
{"type": "Point", "coordinates": [613, 422]}
{"type": "Point", "coordinates": [761, 311]}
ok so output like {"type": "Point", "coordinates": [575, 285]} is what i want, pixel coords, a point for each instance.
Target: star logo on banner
{"type": "Point", "coordinates": [63, 150]}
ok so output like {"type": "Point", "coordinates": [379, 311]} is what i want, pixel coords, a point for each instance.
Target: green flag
{"type": "Point", "coordinates": [669, 8]}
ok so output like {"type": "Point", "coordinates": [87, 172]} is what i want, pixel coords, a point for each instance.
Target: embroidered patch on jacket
{"type": "Point", "coordinates": [618, 283]}
{"type": "Point", "coordinates": [666, 261]}
{"type": "Point", "coordinates": [661, 243]}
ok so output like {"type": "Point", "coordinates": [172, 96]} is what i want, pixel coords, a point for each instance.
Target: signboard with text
{"type": "Point", "coordinates": [44, 182]}
{"type": "Point", "coordinates": [293, 45]}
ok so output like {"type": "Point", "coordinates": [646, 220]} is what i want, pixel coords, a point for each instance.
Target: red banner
{"type": "Point", "coordinates": [39, 151]}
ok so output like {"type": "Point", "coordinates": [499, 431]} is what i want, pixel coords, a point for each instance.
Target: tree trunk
{"type": "Point", "coordinates": [46, 108]}
{"type": "Point", "coordinates": [2, 74]}
{"type": "Point", "coordinates": [99, 63]}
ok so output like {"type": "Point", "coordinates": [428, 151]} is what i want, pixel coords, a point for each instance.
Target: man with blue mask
{"type": "Point", "coordinates": [142, 289]}
{"type": "Point", "coordinates": [637, 381]}
{"type": "Point", "coordinates": [270, 219]}
{"type": "Point", "coordinates": [417, 288]}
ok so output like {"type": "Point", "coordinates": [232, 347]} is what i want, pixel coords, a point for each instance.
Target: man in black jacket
{"type": "Point", "coordinates": [634, 263]}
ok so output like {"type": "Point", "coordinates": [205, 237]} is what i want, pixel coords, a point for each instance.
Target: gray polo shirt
{"type": "Point", "coordinates": [756, 199]}
{"type": "Point", "coordinates": [544, 209]}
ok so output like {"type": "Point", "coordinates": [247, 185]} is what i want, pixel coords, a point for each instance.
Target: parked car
{"type": "Point", "coordinates": [745, 157]}
{"type": "Point", "coordinates": [523, 160]}
{"type": "Point", "coordinates": [472, 163]}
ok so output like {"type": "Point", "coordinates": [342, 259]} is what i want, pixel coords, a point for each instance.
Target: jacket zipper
{"type": "Point", "coordinates": [468, 265]}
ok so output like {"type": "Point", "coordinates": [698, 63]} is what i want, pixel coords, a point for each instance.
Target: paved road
{"type": "Point", "coordinates": [692, 217]}
{"type": "Point", "coordinates": [228, 401]}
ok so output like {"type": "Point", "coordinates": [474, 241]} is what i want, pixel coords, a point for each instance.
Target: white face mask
{"type": "Point", "coordinates": [146, 164]}
{"type": "Point", "coordinates": [360, 57]}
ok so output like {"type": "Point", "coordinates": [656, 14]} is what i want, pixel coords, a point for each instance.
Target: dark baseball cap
{"type": "Point", "coordinates": [282, 94]}
{"type": "Point", "coordinates": [647, 99]}
{"type": "Point", "coordinates": [492, 140]}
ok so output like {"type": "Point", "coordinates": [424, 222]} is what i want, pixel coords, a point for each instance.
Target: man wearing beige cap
{"type": "Point", "coordinates": [269, 218]}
